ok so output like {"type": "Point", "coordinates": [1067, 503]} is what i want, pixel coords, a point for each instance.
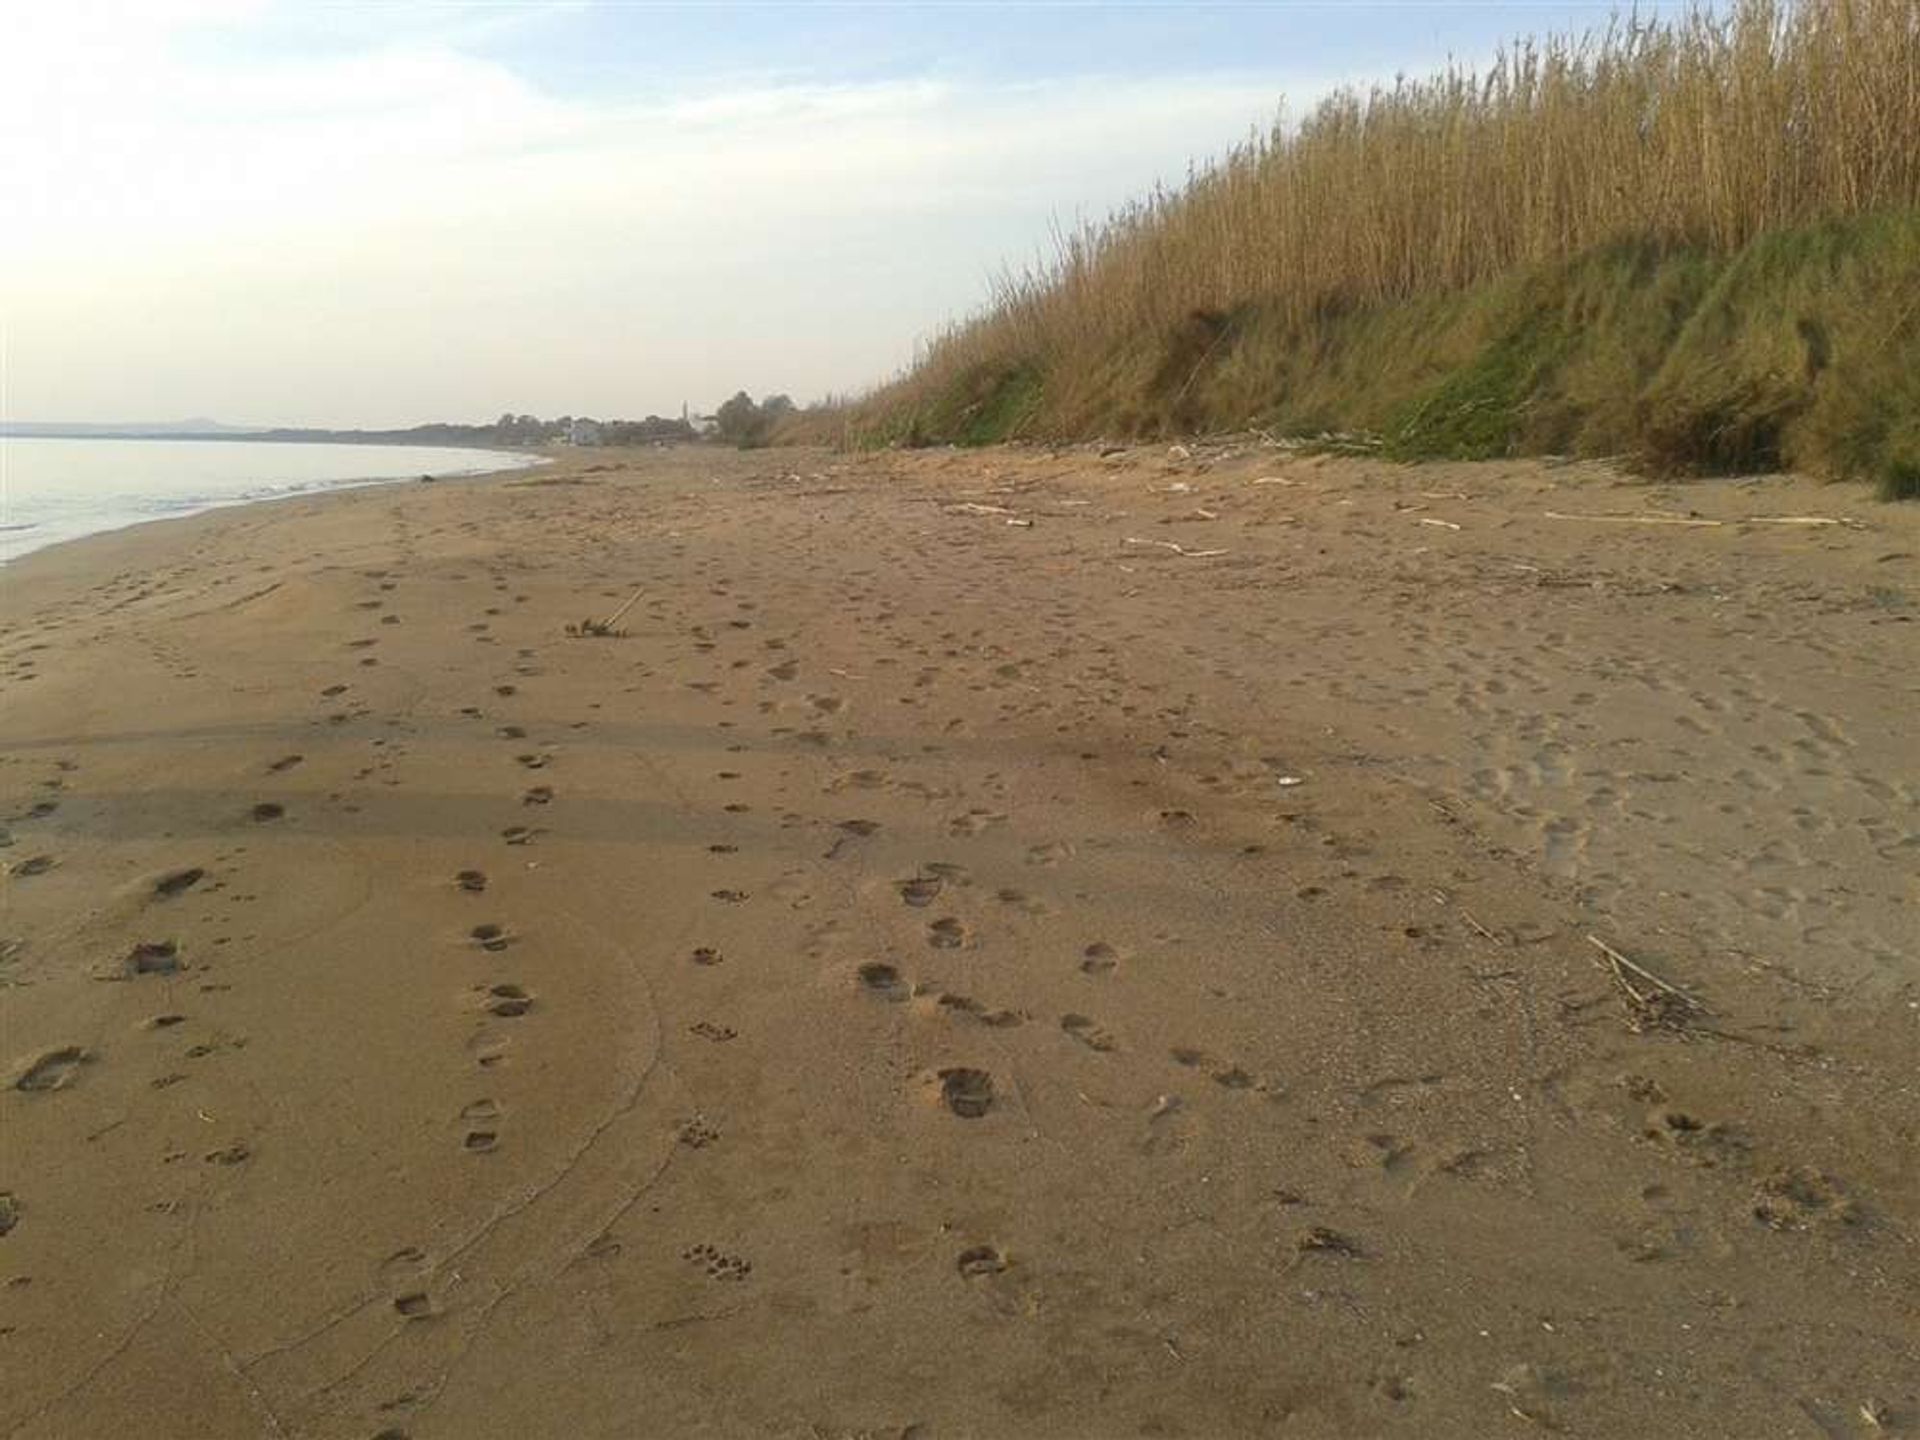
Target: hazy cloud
{"type": "Point", "coordinates": [217, 209]}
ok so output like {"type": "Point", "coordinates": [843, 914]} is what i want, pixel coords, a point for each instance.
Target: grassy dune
{"type": "Point", "coordinates": [1697, 244]}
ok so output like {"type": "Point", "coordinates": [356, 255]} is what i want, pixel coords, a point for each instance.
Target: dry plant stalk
{"type": "Point", "coordinates": [608, 628]}
{"type": "Point", "coordinates": [1652, 1003]}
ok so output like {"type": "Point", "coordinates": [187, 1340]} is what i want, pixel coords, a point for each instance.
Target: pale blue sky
{"type": "Point", "coordinates": [386, 213]}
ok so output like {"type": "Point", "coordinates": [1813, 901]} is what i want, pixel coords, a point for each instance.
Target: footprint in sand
{"type": "Point", "coordinates": [490, 937]}
{"type": "Point", "coordinates": [1055, 852]}
{"type": "Point", "coordinates": [967, 1092]}
{"type": "Point", "coordinates": [154, 957]}
{"type": "Point", "coordinates": [538, 795]}
{"type": "Point", "coordinates": [1088, 1033]}
{"type": "Point", "coordinates": [34, 865]}
{"type": "Point", "coordinates": [268, 810]}
{"type": "Point", "coordinates": [508, 1001]}
{"type": "Point", "coordinates": [414, 1305]}
{"type": "Point", "coordinates": [978, 1261]}
{"type": "Point", "coordinates": [696, 1133]}
{"type": "Point", "coordinates": [946, 934]}
{"type": "Point", "coordinates": [177, 882]}
{"type": "Point", "coordinates": [876, 977]}
{"type": "Point", "coordinates": [1099, 958]}
{"type": "Point", "coordinates": [487, 1049]}
{"type": "Point", "coordinates": [482, 1133]}
{"type": "Point", "coordinates": [718, 1264]}
{"type": "Point", "coordinates": [971, 1008]}
{"type": "Point", "coordinates": [52, 1070]}
{"type": "Point", "coordinates": [920, 891]}
{"type": "Point", "coordinates": [472, 881]}
{"type": "Point", "coordinates": [285, 762]}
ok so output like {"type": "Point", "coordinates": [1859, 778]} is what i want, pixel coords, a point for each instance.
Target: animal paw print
{"type": "Point", "coordinates": [717, 1264]}
{"type": "Point", "coordinates": [707, 1030]}
{"type": "Point", "coordinates": [696, 1133]}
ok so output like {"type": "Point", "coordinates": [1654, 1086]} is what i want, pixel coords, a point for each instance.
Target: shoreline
{"type": "Point", "coordinates": [291, 490]}
{"type": "Point", "coordinates": [1121, 920]}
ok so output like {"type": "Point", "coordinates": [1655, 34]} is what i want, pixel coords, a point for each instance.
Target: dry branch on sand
{"type": "Point", "coordinates": [607, 629]}
{"type": "Point", "coordinates": [1652, 1003]}
{"type": "Point", "coordinates": [1175, 547]}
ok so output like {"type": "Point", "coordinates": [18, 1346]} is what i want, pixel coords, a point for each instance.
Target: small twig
{"type": "Point", "coordinates": [1176, 548]}
{"type": "Point", "coordinates": [1661, 1005]}
{"type": "Point", "coordinates": [632, 600]}
{"type": "Point", "coordinates": [609, 626]}
{"type": "Point", "coordinates": [1634, 519]}
{"type": "Point", "coordinates": [1645, 974]}
{"type": "Point", "coordinates": [1467, 915]}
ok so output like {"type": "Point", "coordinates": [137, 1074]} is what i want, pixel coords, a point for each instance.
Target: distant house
{"type": "Point", "coordinates": [584, 432]}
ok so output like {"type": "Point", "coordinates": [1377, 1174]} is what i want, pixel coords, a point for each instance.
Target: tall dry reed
{"type": "Point", "coordinates": [1704, 131]}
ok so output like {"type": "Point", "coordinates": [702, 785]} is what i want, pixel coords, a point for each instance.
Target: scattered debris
{"type": "Point", "coordinates": [1652, 1003]}
{"type": "Point", "coordinates": [609, 627]}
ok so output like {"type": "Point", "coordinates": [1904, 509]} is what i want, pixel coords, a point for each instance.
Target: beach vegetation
{"type": "Point", "coordinates": [1693, 242]}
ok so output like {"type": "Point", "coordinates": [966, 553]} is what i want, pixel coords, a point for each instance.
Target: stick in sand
{"type": "Point", "coordinates": [606, 626]}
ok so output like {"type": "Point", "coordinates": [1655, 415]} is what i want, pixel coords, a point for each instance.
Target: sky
{"type": "Point", "coordinates": [381, 213]}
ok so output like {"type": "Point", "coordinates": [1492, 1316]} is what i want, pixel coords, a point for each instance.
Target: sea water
{"type": "Point", "coordinates": [60, 489]}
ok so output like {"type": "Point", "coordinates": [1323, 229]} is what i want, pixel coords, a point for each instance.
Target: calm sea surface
{"type": "Point", "coordinates": [53, 490]}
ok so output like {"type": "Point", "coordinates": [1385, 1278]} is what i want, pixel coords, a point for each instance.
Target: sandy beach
{"type": "Point", "coordinates": [1204, 942]}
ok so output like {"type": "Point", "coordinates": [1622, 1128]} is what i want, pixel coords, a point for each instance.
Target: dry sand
{"type": "Point", "coordinates": [937, 976]}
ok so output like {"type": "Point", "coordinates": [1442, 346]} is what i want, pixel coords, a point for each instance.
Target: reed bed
{"type": "Point", "coordinates": [1702, 134]}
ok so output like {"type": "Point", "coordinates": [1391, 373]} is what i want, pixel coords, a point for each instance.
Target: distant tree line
{"type": "Point", "coordinates": [510, 430]}
{"type": "Point", "coordinates": [741, 422]}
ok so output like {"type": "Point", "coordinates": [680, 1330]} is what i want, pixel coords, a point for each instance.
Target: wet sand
{"type": "Point", "coordinates": [1003, 944]}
